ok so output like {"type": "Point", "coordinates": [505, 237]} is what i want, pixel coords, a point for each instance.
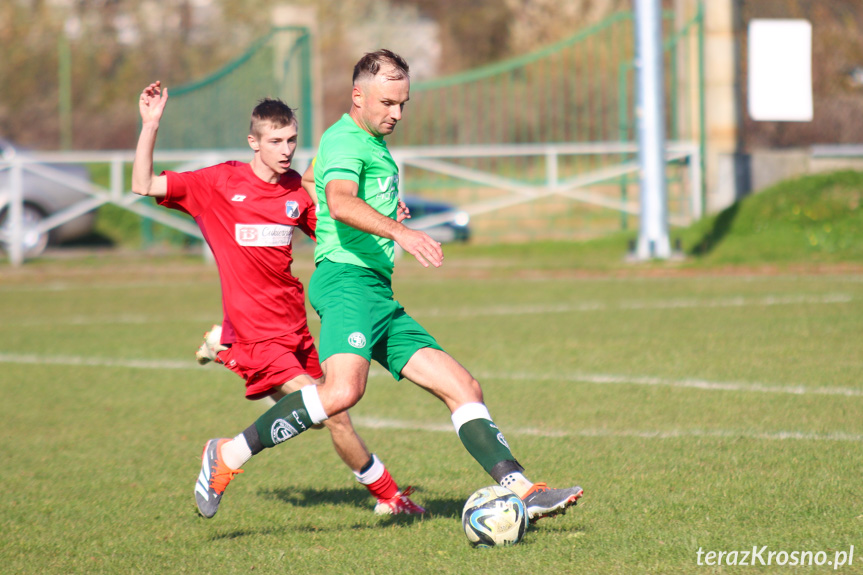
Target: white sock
{"type": "Point", "coordinates": [373, 473]}
{"type": "Point", "coordinates": [236, 452]}
{"type": "Point", "coordinates": [469, 412]}
{"type": "Point", "coordinates": [516, 482]}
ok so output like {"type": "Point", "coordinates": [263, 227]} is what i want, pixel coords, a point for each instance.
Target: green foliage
{"type": "Point", "coordinates": [120, 226]}
{"type": "Point", "coordinates": [812, 218]}
{"type": "Point", "coordinates": [697, 411]}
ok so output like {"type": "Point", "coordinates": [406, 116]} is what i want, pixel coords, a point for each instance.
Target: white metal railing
{"type": "Point", "coordinates": [431, 159]}
{"type": "Point", "coordinates": [45, 166]}
{"type": "Point", "coordinates": [434, 159]}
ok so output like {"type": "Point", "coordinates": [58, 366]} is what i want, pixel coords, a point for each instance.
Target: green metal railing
{"type": "Point", "coordinates": [576, 90]}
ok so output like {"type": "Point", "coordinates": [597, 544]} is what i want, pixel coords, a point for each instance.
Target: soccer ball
{"type": "Point", "coordinates": [494, 516]}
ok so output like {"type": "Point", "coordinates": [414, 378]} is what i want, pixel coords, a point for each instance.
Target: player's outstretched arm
{"type": "Point", "coordinates": [151, 104]}
{"type": "Point", "coordinates": [309, 181]}
{"type": "Point", "coordinates": [346, 207]}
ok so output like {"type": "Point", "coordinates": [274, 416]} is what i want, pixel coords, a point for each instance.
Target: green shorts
{"type": "Point", "coordinates": [359, 316]}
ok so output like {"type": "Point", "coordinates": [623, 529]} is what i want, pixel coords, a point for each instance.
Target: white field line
{"type": "Point", "coordinates": [77, 286]}
{"type": "Point", "coordinates": [376, 423]}
{"type": "Point", "coordinates": [34, 359]}
{"type": "Point", "coordinates": [134, 319]}
{"type": "Point", "coordinates": [121, 319]}
{"type": "Point", "coordinates": [591, 378]}
{"type": "Point", "coordinates": [604, 379]}
{"type": "Point", "coordinates": [682, 303]}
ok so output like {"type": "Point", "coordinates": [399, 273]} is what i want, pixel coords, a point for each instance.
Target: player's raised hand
{"type": "Point", "coordinates": [152, 102]}
{"type": "Point", "coordinates": [421, 246]}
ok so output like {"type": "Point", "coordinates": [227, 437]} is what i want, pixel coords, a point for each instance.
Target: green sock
{"type": "Point", "coordinates": [286, 419]}
{"type": "Point", "coordinates": [484, 441]}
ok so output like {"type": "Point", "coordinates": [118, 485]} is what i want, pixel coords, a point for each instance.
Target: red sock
{"type": "Point", "coordinates": [224, 356]}
{"type": "Point", "coordinates": [385, 487]}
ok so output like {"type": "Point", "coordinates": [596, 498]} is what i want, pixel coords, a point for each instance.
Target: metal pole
{"type": "Point", "coordinates": [117, 178]}
{"type": "Point", "coordinates": [702, 114]}
{"type": "Point", "coordinates": [65, 91]}
{"type": "Point", "coordinates": [551, 169]}
{"type": "Point", "coordinates": [650, 112]}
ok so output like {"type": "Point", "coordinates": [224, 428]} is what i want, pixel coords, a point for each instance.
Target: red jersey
{"type": "Point", "coordinates": [249, 224]}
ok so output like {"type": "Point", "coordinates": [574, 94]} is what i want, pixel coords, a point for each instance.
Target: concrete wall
{"type": "Point", "coordinates": [725, 171]}
{"type": "Point", "coordinates": [763, 168]}
{"type": "Point", "coordinates": [772, 166]}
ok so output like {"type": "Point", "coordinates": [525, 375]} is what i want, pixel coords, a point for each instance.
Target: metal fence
{"type": "Point", "coordinates": [549, 191]}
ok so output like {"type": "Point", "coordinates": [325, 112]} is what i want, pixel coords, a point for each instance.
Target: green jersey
{"type": "Point", "coordinates": [347, 152]}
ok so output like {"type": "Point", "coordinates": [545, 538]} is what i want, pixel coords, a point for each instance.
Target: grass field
{"type": "Point", "coordinates": [700, 409]}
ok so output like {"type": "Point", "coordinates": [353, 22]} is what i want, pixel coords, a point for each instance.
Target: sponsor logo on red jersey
{"type": "Point", "coordinates": [263, 235]}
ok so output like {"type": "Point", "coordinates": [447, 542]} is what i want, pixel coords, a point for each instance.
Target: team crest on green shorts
{"type": "Point", "coordinates": [357, 340]}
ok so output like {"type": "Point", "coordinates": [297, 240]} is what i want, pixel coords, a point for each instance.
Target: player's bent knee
{"type": "Point", "coordinates": [338, 400]}
{"type": "Point", "coordinates": [472, 391]}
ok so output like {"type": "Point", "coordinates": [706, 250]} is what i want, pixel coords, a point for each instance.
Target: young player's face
{"type": "Point", "coordinates": [381, 102]}
{"type": "Point", "coordinates": [276, 146]}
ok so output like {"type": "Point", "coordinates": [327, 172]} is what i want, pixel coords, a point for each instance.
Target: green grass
{"type": "Point", "coordinates": [699, 410]}
{"type": "Point", "coordinates": [816, 219]}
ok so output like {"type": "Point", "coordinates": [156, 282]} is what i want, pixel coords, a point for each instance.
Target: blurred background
{"type": "Point", "coordinates": [521, 125]}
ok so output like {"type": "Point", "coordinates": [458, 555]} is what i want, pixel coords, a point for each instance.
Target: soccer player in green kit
{"type": "Point", "coordinates": [356, 181]}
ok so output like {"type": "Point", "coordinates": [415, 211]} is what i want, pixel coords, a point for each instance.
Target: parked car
{"type": "Point", "coordinates": [43, 197]}
{"type": "Point", "coordinates": [455, 230]}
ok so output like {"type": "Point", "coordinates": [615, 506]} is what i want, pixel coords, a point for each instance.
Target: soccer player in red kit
{"type": "Point", "coordinates": [247, 213]}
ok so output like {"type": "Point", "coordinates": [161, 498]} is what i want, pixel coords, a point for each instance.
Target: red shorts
{"type": "Point", "coordinates": [268, 364]}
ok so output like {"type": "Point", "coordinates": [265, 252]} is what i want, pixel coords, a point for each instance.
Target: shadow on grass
{"type": "Point", "coordinates": [714, 236]}
{"type": "Point", "coordinates": [436, 508]}
{"type": "Point", "coordinates": [312, 497]}
{"type": "Point", "coordinates": [448, 508]}
{"type": "Point", "coordinates": [400, 520]}
{"type": "Point", "coordinates": [360, 498]}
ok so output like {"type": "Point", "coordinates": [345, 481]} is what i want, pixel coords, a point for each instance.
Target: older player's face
{"type": "Point", "coordinates": [380, 102]}
{"type": "Point", "coordinates": [276, 146]}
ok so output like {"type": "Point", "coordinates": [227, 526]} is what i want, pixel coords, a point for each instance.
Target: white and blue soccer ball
{"type": "Point", "coordinates": [494, 516]}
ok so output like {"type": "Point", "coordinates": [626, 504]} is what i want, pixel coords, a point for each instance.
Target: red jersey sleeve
{"type": "Point", "coordinates": [309, 220]}
{"type": "Point", "coordinates": [189, 191]}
